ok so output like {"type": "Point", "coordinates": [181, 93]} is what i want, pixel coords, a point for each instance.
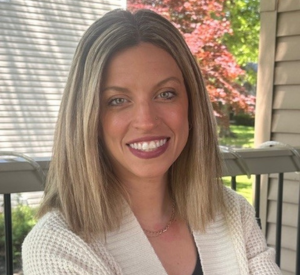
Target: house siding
{"type": "Point", "coordinates": [37, 42]}
{"type": "Point", "coordinates": [278, 115]}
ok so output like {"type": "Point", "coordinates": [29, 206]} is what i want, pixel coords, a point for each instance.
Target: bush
{"type": "Point", "coordinates": [244, 119]}
{"type": "Point", "coordinates": [23, 219]}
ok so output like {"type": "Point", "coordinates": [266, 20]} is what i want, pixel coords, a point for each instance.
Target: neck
{"type": "Point", "coordinates": [151, 203]}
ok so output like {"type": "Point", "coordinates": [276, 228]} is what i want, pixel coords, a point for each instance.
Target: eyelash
{"type": "Point", "coordinates": [171, 95]}
{"type": "Point", "coordinates": [113, 102]}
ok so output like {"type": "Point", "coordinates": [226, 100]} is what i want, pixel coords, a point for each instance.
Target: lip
{"type": "Point", "coordinates": [149, 154]}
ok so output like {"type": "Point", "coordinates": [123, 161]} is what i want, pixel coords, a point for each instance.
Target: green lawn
{"type": "Point", "coordinates": [244, 139]}
{"type": "Point", "coordinates": [243, 186]}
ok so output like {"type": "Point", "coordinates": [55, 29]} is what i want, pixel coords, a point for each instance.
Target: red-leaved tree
{"type": "Point", "coordinates": [203, 24]}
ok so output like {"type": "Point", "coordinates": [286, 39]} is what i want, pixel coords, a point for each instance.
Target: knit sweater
{"type": "Point", "coordinates": [233, 244]}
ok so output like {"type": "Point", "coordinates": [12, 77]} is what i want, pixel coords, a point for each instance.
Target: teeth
{"type": "Point", "coordinates": [148, 146]}
{"type": "Point", "coordinates": [145, 146]}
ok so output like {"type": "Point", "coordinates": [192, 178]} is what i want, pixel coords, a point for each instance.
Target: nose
{"type": "Point", "coordinates": [145, 116]}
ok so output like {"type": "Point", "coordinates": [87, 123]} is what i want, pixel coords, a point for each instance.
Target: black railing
{"type": "Point", "coordinates": [8, 235]}
{"type": "Point", "coordinates": [239, 162]}
{"type": "Point", "coordinates": [279, 217]}
{"type": "Point", "coordinates": [298, 242]}
{"type": "Point", "coordinates": [257, 198]}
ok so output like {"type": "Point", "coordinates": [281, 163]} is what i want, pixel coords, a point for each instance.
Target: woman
{"type": "Point", "coordinates": [134, 183]}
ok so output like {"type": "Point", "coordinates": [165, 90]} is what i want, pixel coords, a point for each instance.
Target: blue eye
{"type": "Point", "coordinates": [167, 95]}
{"type": "Point", "coordinates": [117, 101]}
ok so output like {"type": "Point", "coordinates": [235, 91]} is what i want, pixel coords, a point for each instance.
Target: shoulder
{"type": "Point", "coordinates": [52, 248]}
{"type": "Point", "coordinates": [240, 214]}
{"type": "Point", "coordinates": [232, 197]}
{"type": "Point", "coordinates": [236, 204]}
{"type": "Point", "coordinates": [51, 231]}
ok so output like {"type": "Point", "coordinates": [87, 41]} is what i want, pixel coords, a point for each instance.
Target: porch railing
{"type": "Point", "coordinates": [18, 176]}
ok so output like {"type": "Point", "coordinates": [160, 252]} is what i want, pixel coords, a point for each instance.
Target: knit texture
{"type": "Point", "coordinates": [232, 244]}
{"type": "Point", "coordinates": [254, 257]}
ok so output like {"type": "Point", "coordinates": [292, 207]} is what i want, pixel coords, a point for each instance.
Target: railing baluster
{"type": "Point", "coordinates": [298, 240]}
{"type": "Point", "coordinates": [257, 199]}
{"type": "Point", "coordinates": [8, 235]}
{"type": "Point", "coordinates": [279, 218]}
{"type": "Point", "coordinates": [233, 183]}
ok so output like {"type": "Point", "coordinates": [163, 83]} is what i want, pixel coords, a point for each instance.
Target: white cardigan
{"type": "Point", "coordinates": [232, 245]}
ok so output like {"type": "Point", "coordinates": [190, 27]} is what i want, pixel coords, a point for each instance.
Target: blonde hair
{"type": "Point", "coordinates": [81, 183]}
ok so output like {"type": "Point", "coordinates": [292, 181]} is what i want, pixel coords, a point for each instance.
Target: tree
{"type": "Point", "coordinates": [204, 24]}
{"type": "Point", "coordinates": [243, 44]}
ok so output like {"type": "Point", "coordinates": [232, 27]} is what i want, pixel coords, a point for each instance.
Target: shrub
{"type": "Point", "coordinates": [244, 119]}
{"type": "Point", "coordinates": [23, 219]}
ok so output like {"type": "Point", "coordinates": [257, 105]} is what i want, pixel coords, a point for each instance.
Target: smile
{"type": "Point", "coordinates": [148, 146]}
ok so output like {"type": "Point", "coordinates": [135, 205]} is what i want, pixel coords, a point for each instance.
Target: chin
{"type": "Point", "coordinates": [150, 174]}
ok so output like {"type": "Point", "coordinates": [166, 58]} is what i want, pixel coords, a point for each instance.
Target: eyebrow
{"type": "Point", "coordinates": [172, 78]}
{"type": "Point", "coordinates": [160, 83]}
{"type": "Point", "coordinates": [116, 88]}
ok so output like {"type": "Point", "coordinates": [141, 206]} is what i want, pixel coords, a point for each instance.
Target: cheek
{"type": "Point", "coordinates": [114, 129]}
{"type": "Point", "coordinates": [107, 130]}
{"type": "Point", "coordinates": [178, 118]}
{"type": "Point", "coordinates": [179, 115]}
{"type": "Point", "coordinates": [110, 124]}
{"type": "Point", "coordinates": [109, 136]}
{"type": "Point", "coordinates": [183, 123]}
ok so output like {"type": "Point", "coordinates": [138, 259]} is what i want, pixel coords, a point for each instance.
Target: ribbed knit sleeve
{"type": "Point", "coordinates": [258, 258]}
{"type": "Point", "coordinates": [52, 249]}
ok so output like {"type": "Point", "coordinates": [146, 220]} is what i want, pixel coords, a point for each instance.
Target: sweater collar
{"type": "Point", "coordinates": [132, 250]}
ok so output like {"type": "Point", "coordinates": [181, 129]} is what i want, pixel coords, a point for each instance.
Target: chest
{"type": "Point", "coordinates": [136, 255]}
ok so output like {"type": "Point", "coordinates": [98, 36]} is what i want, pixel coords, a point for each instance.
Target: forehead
{"type": "Point", "coordinates": [143, 60]}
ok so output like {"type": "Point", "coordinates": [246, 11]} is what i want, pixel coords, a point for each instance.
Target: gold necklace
{"type": "Point", "coordinates": [157, 233]}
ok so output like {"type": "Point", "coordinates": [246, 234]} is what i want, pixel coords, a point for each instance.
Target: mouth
{"type": "Point", "coordinates": [148, 146]}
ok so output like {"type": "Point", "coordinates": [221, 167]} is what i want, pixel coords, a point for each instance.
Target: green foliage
{"type": "Point", "coordinates": [244, 119]}
{"type": "Point", "coordinates": [23, 219]}
{"type": "Point", "coordinates": [243, 42]}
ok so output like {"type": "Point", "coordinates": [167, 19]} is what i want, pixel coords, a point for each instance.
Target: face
{"type": "Point", "coordinates": [144, 112]}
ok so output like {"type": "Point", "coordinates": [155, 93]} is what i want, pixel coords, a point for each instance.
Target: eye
{"type": "Point", "coordinates": [167, 95]}
{"type": "Point", "coordinates": [117, 101]}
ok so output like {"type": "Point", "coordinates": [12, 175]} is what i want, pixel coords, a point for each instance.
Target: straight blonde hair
{"type": "Point", "coordinates": [81, 183]}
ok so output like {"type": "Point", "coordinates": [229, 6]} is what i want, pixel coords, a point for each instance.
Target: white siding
{"type": "Point", "coordinates": [37, 42]}
{"type": "Point", "coordinates": [278, 114]}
